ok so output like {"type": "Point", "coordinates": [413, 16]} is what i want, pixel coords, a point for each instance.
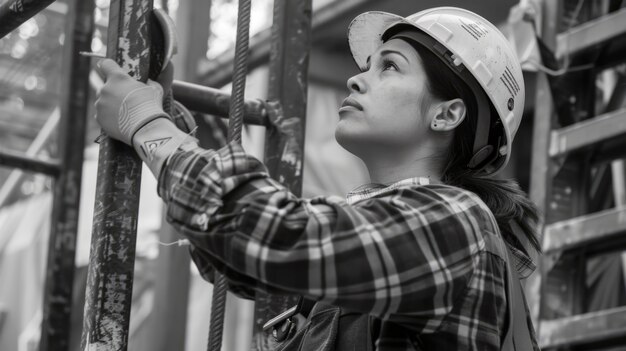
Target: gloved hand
{"type": "Point", "coordinates": [125, 105]}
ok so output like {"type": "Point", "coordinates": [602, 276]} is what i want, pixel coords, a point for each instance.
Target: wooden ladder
{"type": "Point", "coordinates": [577, 179]}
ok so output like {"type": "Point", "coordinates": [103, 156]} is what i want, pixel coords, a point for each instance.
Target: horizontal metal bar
{"type": "Point", "coordinates": [216, 102]}
{"type": "Point", "coordinates": [584, 229]}
{"type": "Point", "coordinates": [19, 160]}
{"type": "Point", "coordinates": [583, 328]}
{"type": "Point", "coordinates": [590, 33]}
{"type": "Point", "coordinates": [590, 131]}
{"type": "Point", "coordinates": [15, 12]}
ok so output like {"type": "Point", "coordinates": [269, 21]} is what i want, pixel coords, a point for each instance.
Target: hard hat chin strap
{"type": "Point", "coordinates": [482, 151]}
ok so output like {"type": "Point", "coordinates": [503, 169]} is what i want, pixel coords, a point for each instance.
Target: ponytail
{"type": "Point", "coordinates": [506, 200]}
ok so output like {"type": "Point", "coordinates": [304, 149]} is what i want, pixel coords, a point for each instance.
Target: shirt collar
{"type": "Point", "coordinates": [370, 190]}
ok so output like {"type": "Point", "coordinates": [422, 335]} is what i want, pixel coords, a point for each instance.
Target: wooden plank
{"type": "Point", "coordinates": [583, 328]}
{"type": "Point", "coordinates": [587, 132]}
{"type": "Point", "coordinates": [591, 33]}
{"type": "Point", "coordinates": [584, 230]}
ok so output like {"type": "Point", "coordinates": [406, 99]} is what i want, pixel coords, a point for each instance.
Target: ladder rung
{"type": "Point", "coordinates": [590, 33]}
{"type": "Point", "coordinates": [583, 328]}
{"type": "Point", "coordinates": [589, 131]}
{"type": "Point", "coordinates": [584, 229]}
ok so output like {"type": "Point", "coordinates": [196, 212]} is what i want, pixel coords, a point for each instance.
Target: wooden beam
{"type": "Point", "coordinates": [587, 132]}
{"type": "Point", "coordinates": [583, 328]}
{"type": "Point", "coordinates": [584, 230]}
{"type": "Point", "coordinates": [591, 33]}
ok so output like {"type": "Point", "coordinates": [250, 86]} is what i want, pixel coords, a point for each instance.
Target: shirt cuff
{"type": "Point", "coordinates": [217, 171]}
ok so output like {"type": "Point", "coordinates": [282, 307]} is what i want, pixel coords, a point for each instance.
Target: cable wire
{"type": "Point", "coordinates": [235, 123]}
{"type": "Point", "coordinates": [235, 115]}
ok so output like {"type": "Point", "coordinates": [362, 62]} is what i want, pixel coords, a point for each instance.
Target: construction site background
{"type": "Point", "coordinates": [30, 58]}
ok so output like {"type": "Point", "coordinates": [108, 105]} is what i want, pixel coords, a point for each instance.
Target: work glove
{"type": "Point", "coordinates": [138, 114]}
{"type": "Point", "coordinates": [125, 105]}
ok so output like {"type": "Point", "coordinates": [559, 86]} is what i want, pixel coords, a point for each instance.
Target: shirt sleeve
{"type": "Point", "coordinates": [411, 252]}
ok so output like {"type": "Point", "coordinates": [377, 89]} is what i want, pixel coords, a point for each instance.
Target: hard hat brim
{"type": "Point", "coordinates": [365, 33]}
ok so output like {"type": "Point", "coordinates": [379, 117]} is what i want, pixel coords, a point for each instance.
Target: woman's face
{"type": "Point", "coordinates": [388, 104]}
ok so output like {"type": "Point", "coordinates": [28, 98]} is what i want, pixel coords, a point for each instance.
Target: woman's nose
{"type": "Point", "coordinates": [356, 84]}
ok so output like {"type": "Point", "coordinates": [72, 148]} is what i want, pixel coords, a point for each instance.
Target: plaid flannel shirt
{"type": "Point", "coordinates": [411, 254]}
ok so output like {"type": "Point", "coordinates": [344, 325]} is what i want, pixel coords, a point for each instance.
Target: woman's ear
{"type": "Point", "coordinates": [449, 115]}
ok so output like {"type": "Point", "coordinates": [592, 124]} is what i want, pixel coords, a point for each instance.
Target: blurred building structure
{"type": "Point", "coordinates": [30, 94]}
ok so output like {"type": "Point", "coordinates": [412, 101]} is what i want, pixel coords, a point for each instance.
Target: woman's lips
{"type": "Point", "coordinates": [351, 102]}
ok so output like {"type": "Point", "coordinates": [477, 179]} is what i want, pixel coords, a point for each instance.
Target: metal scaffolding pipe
{"type": "Point", "coordinates": [289, 63]}
{"type": "Point", "coordinates": [26, 163]}
{"type": "Point", "coordinates": [57, 297]}
{"type": "Point", "coordinates": [216, 102]}
{"type": "Point", "coordinates": [15, 12]}
{"type": "Point", "coordinates": [112, 257]}
{"type": "Point", "coordinates": [16, 176]}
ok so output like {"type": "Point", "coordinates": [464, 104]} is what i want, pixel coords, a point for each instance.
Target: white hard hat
{"type": "Point", "coordinates": [476, 51]}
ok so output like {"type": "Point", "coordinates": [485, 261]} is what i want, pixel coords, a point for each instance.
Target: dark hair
{"type": "Point", "coordinates": [506, 200]}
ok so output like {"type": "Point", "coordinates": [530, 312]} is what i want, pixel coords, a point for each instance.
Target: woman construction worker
{"type": "Point", "coordinates": [431, 250]}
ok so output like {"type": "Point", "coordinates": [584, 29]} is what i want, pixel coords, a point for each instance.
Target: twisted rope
{"type": "Point", "coordinates": [235, 123]}
{"type": "Point", "coordinates": [218, 307]}
{"type": "Point", "coordinates": [235, 116]}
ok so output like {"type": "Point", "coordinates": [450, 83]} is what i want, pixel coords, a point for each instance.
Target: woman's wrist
{"type": "Point", "coordinates": [157, 140]}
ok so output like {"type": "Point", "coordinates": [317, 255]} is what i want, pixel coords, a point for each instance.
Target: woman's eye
{"type": "Point", "coordinates": [389, 65]}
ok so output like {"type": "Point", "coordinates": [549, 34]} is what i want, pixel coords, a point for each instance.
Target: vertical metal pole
{"type": "Point", "coordinates": [112, 257]}
{"type": "Point", "coordinates": [541, 166]}
{"type": "Point", "coordinates": [55, 329]}
{"type": "Point", "coordinates": [168, 323]}
{"type": "Point", "coordinates": [284, 142]}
